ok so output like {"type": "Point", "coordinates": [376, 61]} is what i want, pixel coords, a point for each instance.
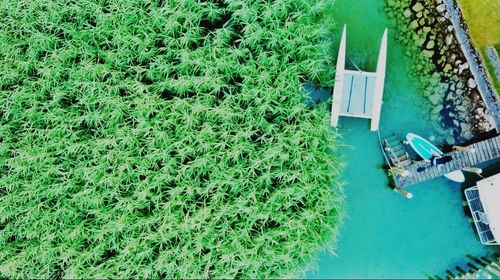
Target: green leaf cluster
{"type": "Point", "coordinates": [164, 138]}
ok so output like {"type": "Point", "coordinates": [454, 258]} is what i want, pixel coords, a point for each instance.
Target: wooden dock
{"type": "Point", "coordinates": [487, 267]}
{"type": "Point", "coordinates": [483, 151]}
{"type": "Point", "coordinates": [394, 149]}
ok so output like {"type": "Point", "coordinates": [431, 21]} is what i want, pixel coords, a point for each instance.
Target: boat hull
{"type": "Point", "coordinates": [456, 176]}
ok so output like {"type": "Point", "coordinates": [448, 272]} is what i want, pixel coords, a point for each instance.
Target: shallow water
{"type": "Point", "coordinates": [386, 235]}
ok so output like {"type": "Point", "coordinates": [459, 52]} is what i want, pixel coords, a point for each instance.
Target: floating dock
{"type": "Point", "coordinates": [469, 156]}
{"type": "Point", "coordinates": [357, 93]}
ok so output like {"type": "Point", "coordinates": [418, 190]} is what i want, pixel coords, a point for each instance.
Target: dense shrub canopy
{"type": "Point", "coordinates": [143, 138]}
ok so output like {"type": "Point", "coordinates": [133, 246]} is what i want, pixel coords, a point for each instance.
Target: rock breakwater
{"type": "Point", "coordinates": [440, 67]}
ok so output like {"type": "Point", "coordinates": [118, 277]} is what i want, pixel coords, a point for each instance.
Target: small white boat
{"type": "Point", "coordinates": [484, 204]}
{"type": "Point", "coordinates": [427, 150]}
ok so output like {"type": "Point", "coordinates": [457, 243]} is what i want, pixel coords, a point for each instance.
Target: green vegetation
{"type": "Point", "coordinates": [483, 20]}
{"type": "Point", "coordinates": [146, 139]}
{"type": "Point", "coordinates": [490, 68]}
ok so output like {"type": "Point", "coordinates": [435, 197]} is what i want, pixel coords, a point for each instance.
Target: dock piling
{"type": "Point", "coordinates": [404, 193]}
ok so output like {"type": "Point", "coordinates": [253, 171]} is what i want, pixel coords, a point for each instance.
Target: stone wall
{"type": "Point", "coordinates": [440, 67]}
{"type": "Point", "coordinates": [488, 94]}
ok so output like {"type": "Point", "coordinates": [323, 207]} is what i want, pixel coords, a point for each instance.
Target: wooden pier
{"type": "Point", "coordinates": [395, 150]}
{"type": "Point", "coordinates": [469, 156]}
{"type": "Point", "coordinates": [487, 267]}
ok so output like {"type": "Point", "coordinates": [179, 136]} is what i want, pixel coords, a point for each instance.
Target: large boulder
{"type": "Point", "coordinates": [462, 67]}
{"type": "Point", "coordinates": [471, 83]}
{"type": "Point", "coordinates": [407, 13]}
{"type": "Point", "coordinates": [427, 53]}
{"type": "Point", "coordinates": [449, 39]}
{"type": "Point", "coordinates": [418, 7]}
{"type": "Point", "coordinates": [461, 109]}
{"type": "Point", "coordinates": [430, 44]}
{"type": "Point", "coordinates": [435, 98]}
{"type": "Point", "coordinates": [441, 8]}
{"type": "Point", "coordinates": [465, 127]}
{"type": "Point", "coordinates": [447, 68]}
{"type": "Point", "coordinates": [450, 140]}
{"type": "Point", "coordinates": [414, 24]}
{"type": "Point", "coordinates": [436, 110]}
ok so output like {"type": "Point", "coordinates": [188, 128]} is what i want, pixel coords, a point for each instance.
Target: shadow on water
{"type": "Point", "coordinates": [386, 235]}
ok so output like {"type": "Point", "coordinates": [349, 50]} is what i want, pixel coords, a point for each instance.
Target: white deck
{"type": "Point", "coordinates": [489, 194]}
{"type": "Point", "coordinates": [358, 93]}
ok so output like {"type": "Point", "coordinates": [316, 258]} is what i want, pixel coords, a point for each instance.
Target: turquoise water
{"type": "Point", "coordinates": [386, 235]}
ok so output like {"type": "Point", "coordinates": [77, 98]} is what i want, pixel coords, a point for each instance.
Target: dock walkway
{"type": "Point", "coordinates": [483, 151]}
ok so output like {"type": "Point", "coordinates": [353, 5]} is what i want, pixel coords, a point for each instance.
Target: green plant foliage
{"type": "Point", "coordinates": [146, 139]}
